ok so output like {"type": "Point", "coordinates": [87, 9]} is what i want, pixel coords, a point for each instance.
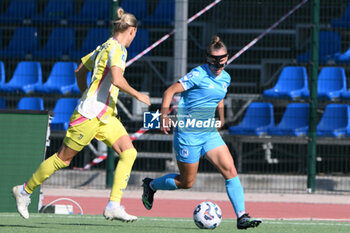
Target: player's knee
{"type": "Point", "coordinates": [66, 159]}
{"type": "Point", "coordinates": [129, 154]}
{"type": "Point", "coordinates": [229, 172]}
{"type": "Point", "coordinates": [233, 172]}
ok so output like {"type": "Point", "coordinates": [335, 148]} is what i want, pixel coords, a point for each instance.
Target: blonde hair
{"type": "Point", "coordinates": [123, 21]}
{"type": "Point", "coordinates": [216, 44]}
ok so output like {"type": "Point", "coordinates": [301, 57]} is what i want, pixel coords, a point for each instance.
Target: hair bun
{"type": "Point", "coordinates": [120, 13]}
{"type": "Point", "coordinates": [215, 40]}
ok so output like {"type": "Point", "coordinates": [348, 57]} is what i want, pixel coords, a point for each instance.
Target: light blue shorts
{"type": "Point", "coordinates": [192, 154]}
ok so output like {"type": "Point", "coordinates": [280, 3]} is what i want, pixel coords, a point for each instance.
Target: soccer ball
{"type": "Point", "coordinates": [207, 215]}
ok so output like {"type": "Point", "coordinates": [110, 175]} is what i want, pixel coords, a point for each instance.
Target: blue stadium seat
{"type": "Point", "coordinates": [294, 122]}
{"type": "Point", "coordinates": [343, 58]}
{"type": "Point", "coordinates": [94, 37]}
{"type": "Point", "coordinates": [31, 103]}
{"type": "Point", "coordinates": [331, 83]}
{"type": "Point", "coordinates": [60, 42]}
{"type": "Point", "coordinates": [292, 83]}
{"type": "Point", "coordinates": [140, 43]}
{"type": "Point", "coordinates": [63, 110]}
{"type": "Point", "coordinates": [55, 11]}
{"type": "Point", "coordinates": [2, 73]}
{"type": "Point", "coordinates": [343, 21]}
{"type": "Point", "coordinates": [20, 47]}
{"type": "Point", "coordinates": [61, 79]}
{"type": "Point", "coordinates": [136, 7]}
{"type": "Point", "coordinates": [76, 90]}
{"type": "Point", "coordinates": [257, 119]}
{"type": "Point", "coordinates": [18, 11]}
{"type": "Point", "coordinates": [162, 15]}
{"type": "Point", "coordinates": [2, 103]}
{"type": "Point", "coordinates": [329, 45]}
{"type": "Point", "coordinates": [335, 121]}
{"type": "Point", "coordinates": [93, 12]}
{"type": "Point", "coordinates": [26, 77]}
{"type": "Point", "coordinates": [345, 95]}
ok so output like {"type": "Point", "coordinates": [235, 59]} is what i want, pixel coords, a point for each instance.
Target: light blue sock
{"type": "Point", "coordinates": [235, 193]}
{"type": "Point", "coordinates": [166, 182]}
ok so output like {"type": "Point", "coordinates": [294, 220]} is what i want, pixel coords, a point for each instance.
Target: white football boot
{"type": "Point", "coordinates": [22, 201]}
{"type": "Point", "coordinates": [118, 213]}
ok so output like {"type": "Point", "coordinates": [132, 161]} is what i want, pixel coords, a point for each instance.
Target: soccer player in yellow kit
{"type": "Point", "coordinates": [95, 116]}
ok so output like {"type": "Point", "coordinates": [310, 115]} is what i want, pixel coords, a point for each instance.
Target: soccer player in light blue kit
{"type": "Point", "coordinates": [202, 92]}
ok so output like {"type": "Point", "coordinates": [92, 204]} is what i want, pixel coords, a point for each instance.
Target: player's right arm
{"type": "Point", "coordinates": [119, 81]}
{"type": "Point", "coordinates": [80, 74]}
{"type": "Point", "coordinates": [84, 67]}
{"type": "Point", "coordinates": [167, 97]}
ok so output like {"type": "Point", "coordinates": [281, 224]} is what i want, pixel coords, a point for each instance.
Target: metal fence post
{"type": "Point", "coordinates": [109, 168]}
{"type": "Point", "coordinates": [180, 42]}
{"type": "Point", "coordinates": [311, 176]}
{"type": "Point", "coordinates": [114, 7]}
{"type": "Point", "coordinates": [110, 152]}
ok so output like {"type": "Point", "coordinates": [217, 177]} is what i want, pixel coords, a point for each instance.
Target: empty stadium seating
{"type": "Point", "coordinates": [19, 10]}
{"type": "Point", "coordinates": [163, 14]}
{"type": "Point", "coordinates": [31, 103]}
{"type": "Point", "coordinates": [140, 43]}
{"type": "Point", "coordinates": [343, 21]}
{"type": "Point", "coordinates": [93, 12]}
{"type": "Point", "coordinates": [26, 77]}
{"type": "Point", "coordinates": [294, 122]}
{"type": "Point", "coordinates": [292, 83]}
{"type": "Point", "coordinates": [94, 37]}
{"type": "Point", "coordinates": [329, 45]}
{"type": "Point", "coordinates": [335, 121]}
{"type": "Point", "coordinates": [63, 110]}
{"type": "Point", "coordinates": [2, 103]}
{"type": "Point", "coordinates": [61, 79]}
{"type": "Point", "coordinates": [60, 42]}
{"type": "Point", "coordinates": [19, 47]}
{"type": "Point", "coordinates": [331, 83]}
{"type": "Point", "coordinates": [55, 11]}
{"type": "Point", "coordinates": [257, 119]}
{"type": "Point", "coordinates": [2, 73]}
{"type": "Point", "coordinates": [136, 7]}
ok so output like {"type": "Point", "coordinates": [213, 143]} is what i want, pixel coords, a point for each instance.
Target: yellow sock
{"type": "Point", "coordinates": [45, 170]}
{"type": "Point", "coordinates": [122, 174]}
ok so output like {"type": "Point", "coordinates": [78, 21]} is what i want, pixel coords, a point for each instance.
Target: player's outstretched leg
{"type": "Point", "coordinates": [148, 193]}
{"type": "Point", "coordinates": [245, 221]}
{"type": "Point", "coordinates": [22, 201]}
{"type": "Point", "coordinates": [118, 213]}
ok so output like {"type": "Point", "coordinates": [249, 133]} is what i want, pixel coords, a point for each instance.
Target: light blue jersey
{"type": "Point", "coordinates": [203, 92]}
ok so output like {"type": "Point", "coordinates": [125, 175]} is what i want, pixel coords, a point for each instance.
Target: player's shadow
{"type": "Point", "coordinates": [167, 227]}
{"type": "Point", "coordinates": [121, 225]}
{"type": "Point", "coordinates": [16, 225]}
{"type": "Point", "coordinates": [80, 224]}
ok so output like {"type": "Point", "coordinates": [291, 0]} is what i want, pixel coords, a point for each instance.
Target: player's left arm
{"type": "Point", "coordinates": [119, 81]}
{"type": "Point", "coordinates": [221, 112]}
